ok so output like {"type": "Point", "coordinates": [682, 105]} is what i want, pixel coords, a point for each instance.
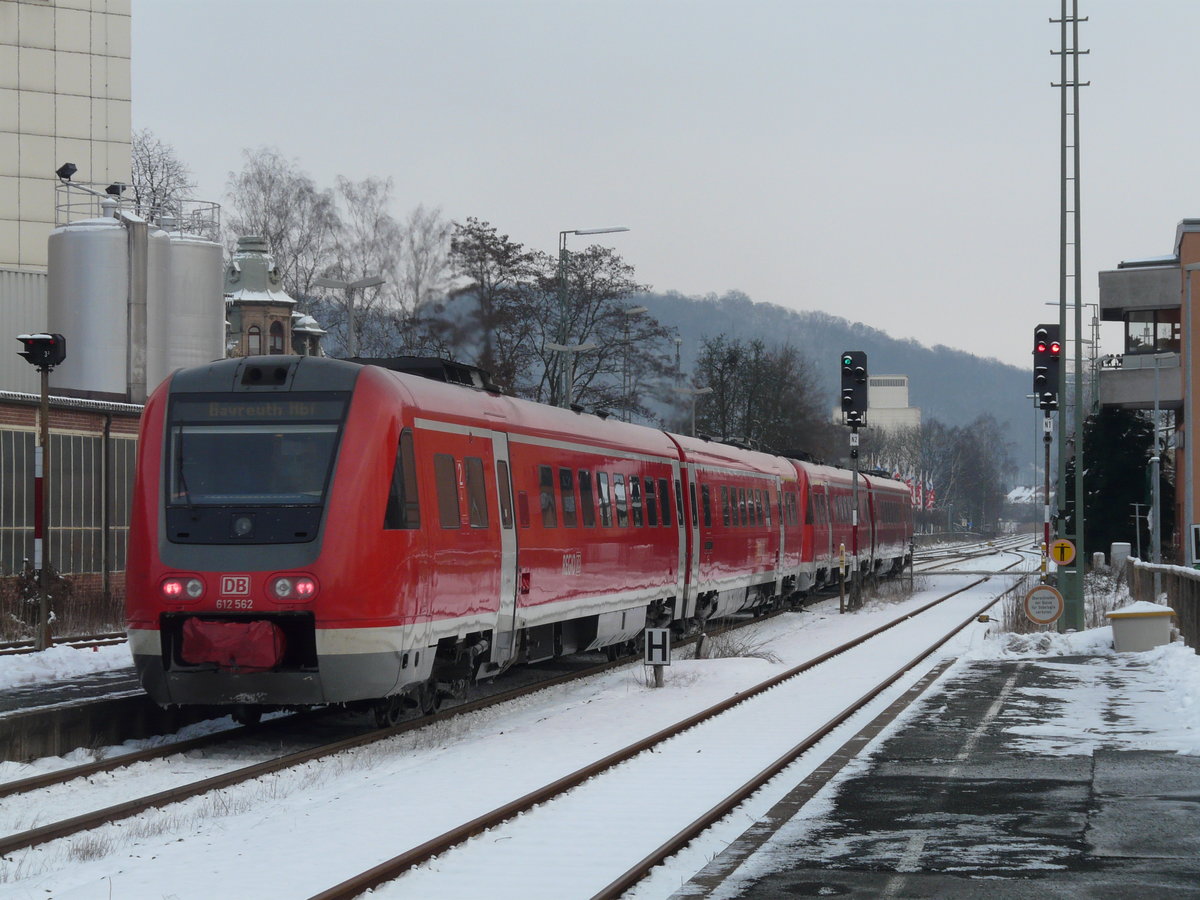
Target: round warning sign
{"type": "Point", "coordinates": [1044, 605]}
{"type": "Point", "coordinates": [1062, 552]}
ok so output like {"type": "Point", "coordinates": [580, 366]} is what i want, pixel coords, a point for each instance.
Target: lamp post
{"type": "Point", "coordinates": [561, 331]}
{"type": "Point", "coordinates": [693, 393]}
{"type": "Point", "coordinates": [350, 287]}
{"type": "Point", "coordinates": [568, 368]}
{"type": "Point", "coordinates": [626, 386]}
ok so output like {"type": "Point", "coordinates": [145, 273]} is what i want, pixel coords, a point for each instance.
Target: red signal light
{"type": "Point", "coordinates": [1041, 346]}
{"type": "Point", "coordinates": [1055, 348]}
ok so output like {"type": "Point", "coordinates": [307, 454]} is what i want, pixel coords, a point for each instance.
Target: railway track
{"type": "Point", "coordinates": [33, 793]}
{"type": "Point", "coordinates": [940, 560]}
{"type": "Point", "coordinates": [684, 771]}
{"type": "Point", "coordinates": [48, 789]}
{"type": "Point", "coordinates": [12, 648]}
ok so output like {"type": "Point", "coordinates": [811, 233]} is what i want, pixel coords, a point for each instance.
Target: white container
{"type": "Point", "coordinates": [1120, 553]}
{"type": "Point", "coordinates": [1141, 626]}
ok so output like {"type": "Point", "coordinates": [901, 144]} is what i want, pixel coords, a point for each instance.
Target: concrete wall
{"type": "Point", "coordinates": [64, 97]}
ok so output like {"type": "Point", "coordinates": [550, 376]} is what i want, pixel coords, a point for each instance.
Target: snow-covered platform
{"type": "Point", "coordinates": [1042, 776]}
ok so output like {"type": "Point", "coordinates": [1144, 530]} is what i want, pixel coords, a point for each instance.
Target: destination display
{"type": "Point", "coordinates": [326, 407]}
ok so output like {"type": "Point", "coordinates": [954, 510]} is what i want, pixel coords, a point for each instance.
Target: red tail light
{"type": "Point", "coordinates": [182, 588]}
{"type": "Point", "coordinates": [293, 587]}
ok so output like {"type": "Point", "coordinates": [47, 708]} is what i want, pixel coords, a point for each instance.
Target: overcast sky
{"type": "Point", "coordinates": [895, 162]}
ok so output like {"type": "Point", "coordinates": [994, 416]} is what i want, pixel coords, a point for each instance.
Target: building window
{"type": "Point", "coordinates": [254, 341]}
{"type": "Point", "coordinates": [276, 337]}
{"type": "Point", "coordinates": [1152, 331]}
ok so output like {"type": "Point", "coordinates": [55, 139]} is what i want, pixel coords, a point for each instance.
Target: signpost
{"type": "Point", "coordinates": [1044, 605]}
{"type": "Point", "coordinates": [1062, 552]}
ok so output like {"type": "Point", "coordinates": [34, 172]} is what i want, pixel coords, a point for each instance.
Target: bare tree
{"type": "Point", "coordinates": [272, 198]}
{"type": "Point", "coordinates": [499, 272]}
{"type": "Point", "coordinates": [763, 396]}
{"type": "Point", "coordinates": [160, 178]}
{"type": "Point", "coordinates": [425, 265]}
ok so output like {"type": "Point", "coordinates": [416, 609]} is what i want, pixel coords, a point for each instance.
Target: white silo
{"type": "Point", "coordinates": [88, 302]}
{"type": "Point", "coordinates": [188, 327]}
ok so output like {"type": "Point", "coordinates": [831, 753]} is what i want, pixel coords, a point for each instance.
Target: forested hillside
{"type": "Point", "coordinates": [948, 385]}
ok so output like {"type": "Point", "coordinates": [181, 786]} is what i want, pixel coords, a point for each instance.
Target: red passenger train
{"type": "Point", "coordinates": [311, 531]}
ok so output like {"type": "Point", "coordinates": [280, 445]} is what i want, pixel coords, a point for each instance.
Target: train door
{"type": "Point", "coordinates": [691, 523]}
{"type": "Point", "coordinates": [682, 610]}
{"type": "Point", "coordinates": [780, 536]}
{"type": "Point", "coordinates": [503, 635]}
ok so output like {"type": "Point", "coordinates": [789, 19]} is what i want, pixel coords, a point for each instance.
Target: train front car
{"type": "Point", "coordinates": [249, 582]}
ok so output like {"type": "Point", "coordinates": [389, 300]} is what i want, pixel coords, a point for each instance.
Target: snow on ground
{"type": "Point", "coordinates": [298, 832]}
{"type": "Point", "coordinates": [60, 664]}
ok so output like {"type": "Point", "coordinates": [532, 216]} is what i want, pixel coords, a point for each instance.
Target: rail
{"type": "Point", "coordinates": [1182, 587]}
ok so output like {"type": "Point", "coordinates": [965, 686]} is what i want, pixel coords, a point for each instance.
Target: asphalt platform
{"type": "Point", "coordinates": [961, 803]}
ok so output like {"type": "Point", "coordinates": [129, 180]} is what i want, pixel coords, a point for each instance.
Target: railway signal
{"type": "Point", "coordinates": [45, 351]}
{"type": "Point", "coordinates": [1047, 365]}
{"type": "Point", "coordinates": [854, 388]}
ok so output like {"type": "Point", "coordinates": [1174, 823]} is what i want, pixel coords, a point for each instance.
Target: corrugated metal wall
{"type": "Point", "coordinates": [76, 479]}
{"type": "Point", "coordinates": [22, 310]}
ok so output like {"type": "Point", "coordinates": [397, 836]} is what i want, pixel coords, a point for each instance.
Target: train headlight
{"type": "Point", "coordinates": [183, 587]}
{"type": "Point", "coordinates": [293, 587]}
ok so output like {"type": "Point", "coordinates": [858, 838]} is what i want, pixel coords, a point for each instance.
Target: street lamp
{"type": "Point", "coordinates": [568, 369]}
{"type": "Point", "coordinates": [693, 393]}
{"type": "Point", "coordinates": [626, 386]}
{"type": "Point", "coordinates": [562, 281]}
{"type": "Point", "coordinates": [350, 287]}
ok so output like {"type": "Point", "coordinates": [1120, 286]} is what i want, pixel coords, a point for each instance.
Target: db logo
{"type": "Point", "coordinates": [235, 585]}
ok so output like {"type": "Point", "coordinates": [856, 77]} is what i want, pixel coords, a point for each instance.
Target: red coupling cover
{"type": "Point", "coordinates": [255, 645]}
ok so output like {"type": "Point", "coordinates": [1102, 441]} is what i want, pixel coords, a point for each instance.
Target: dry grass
{"type": "Point", "coordinates": [72, 612]}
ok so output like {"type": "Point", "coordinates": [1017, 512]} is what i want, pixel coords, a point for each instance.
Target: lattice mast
{"type": "Point", "coordinates": [1070, 294]}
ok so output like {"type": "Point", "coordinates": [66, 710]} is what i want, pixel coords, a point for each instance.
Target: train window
{"type": "Point", "coordinates": [679, 501]}
{"type": "Point", "coordinates": [446, 479]}
{"type": "Point", "coordinates": [765, 509]}
{"type": "Point", "coordinates": [651, 503]}
{"type": "Point", "coordinates": [635, 500]}
{"type": "Point", "coordinates": [619, 497]}
{"type": "Point", "coordinates": [707, 501]}
{"type": "Point", "coordinates": [476, 492]}
{"type": "Point", "coordinates": [725, 504]}
{"type": "Point", "coordinates": [752, 502]}
{"type": "Point", "coordinates": [605, 499]}
{"type": "Point", "coordinates": [523, 508]}
{"type": "Point", "coordinates": [742, 514]}
{"type": "Point", "coordinates": [549, 509]}
{"type": "Point", "coordinates": [587, 506]}
{"type": "Point", "coordinates": [664, 494]}
{"type": "Point", "coordinates": [566, 481]}
{"type": "Point", "coordinates": [692, 489]}
{"type": "Point", "coordinates": [402, 510]}
{"type": "Point", "coordinates": [502, 480]}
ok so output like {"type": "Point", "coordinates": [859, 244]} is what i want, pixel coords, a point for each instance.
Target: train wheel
{"type": "Point", "coordinates": [428, 698]}
{"type": "Point", "coordinates": [247, 715]}
{"type": "Point", "coordinates": [389, 711]}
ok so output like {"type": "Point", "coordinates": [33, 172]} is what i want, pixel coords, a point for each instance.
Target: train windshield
{"type": "Point", "coordinates": [252, 452]}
